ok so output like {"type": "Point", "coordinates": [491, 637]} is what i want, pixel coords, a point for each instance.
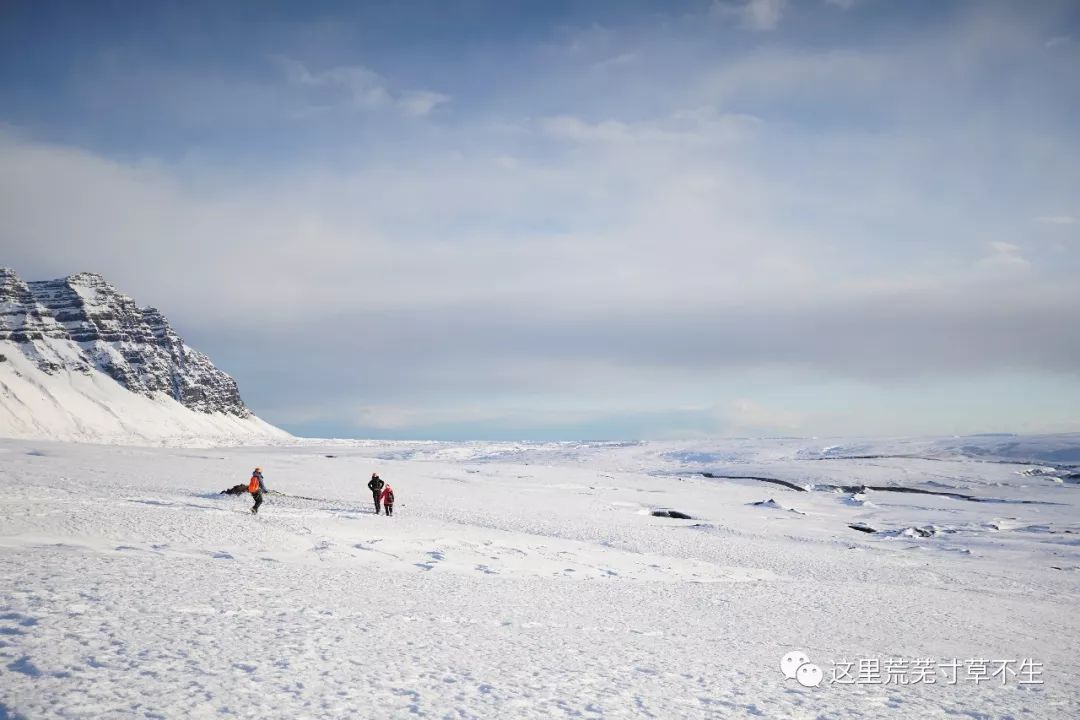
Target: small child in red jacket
{"type": "Point", "coordinates": [387, 499]}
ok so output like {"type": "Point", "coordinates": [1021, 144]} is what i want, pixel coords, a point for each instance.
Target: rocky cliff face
{"type": "Point", "coordinates": [81, 323]}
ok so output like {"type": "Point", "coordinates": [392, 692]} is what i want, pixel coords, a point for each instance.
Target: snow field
{"type": "Point", "coordinates": [130, 588]}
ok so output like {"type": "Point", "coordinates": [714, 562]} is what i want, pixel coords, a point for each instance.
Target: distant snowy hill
{"type": "Point", "coordinates": [81, 361]}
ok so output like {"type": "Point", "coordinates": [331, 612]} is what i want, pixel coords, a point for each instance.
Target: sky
{"type": "Point", "coordinates": [571, 220]}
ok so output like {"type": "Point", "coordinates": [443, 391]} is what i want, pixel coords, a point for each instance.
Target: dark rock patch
{"type": "Point", "coordinates": [671, 514]}
{"type": "Point", "coordinates": [774, 481]}
{"type": "Point", "coordinates": [857, 489]}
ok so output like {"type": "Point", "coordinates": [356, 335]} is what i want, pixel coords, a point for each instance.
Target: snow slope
{"type": "Point", "coordinates": [532, 580]}
{"type": "Point", "coordinates": [90, 406]}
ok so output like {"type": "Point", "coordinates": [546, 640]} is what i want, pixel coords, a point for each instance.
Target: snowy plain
{"type": "Point", "coordinates": [533, 580]}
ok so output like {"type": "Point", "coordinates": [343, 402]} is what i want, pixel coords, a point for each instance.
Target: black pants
{"type": "Point", "coordinates": [389, 507]}
{"type": "Point", "coordinates": [375, 496]}
{"type": "Point", "coordinates": [258, 501]}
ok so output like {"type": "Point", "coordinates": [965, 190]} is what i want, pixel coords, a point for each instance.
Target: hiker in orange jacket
{"type": "Point", "coordinates": [256, 488]}
{"type": "Point", "coordinates": [387, 498]}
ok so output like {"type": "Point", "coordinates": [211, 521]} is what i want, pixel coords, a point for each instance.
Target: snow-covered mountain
{"type": "Point", "coordinates": [79, 360]}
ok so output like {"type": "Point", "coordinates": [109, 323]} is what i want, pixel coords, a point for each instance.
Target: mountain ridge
{"type": "Point", "coordinates": [59, 335]}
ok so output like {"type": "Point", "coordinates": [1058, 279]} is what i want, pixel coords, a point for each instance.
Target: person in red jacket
{"type": "Point", "coordinates": [387, 498]}
{"type": "Point", "coordinates": [256, 487]}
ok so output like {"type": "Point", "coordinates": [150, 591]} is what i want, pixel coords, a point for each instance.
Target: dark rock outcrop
{"type": "Point", "coordinates": [22, 319]}
{"type": "Point", "coordinates": [81, 322]}
{"type": "Point", "coordinates": [664, 512]}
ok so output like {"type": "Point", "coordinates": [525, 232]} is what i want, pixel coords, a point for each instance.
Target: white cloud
{"type": "Point", "coordinates": [804, 77]}
{"type": "Point", "coordinates": [361, 88]}
{"type": "Point", "coordinates": [441, 247]}
{"type": "Point", "coordinates": [417, 103]}
{"type": "Point", "coordinates": [1004, 256]}
{"type": "Point", "coordinates": [763, 14]}
{"type": "Point", "coordinates": [626, 58]}
{"type": "Point", "coordinates": [682, 129]}
{"type": "Point", "coordinates": [571, 128]}
{"type": "Point", "coordinates": [1057, 220]}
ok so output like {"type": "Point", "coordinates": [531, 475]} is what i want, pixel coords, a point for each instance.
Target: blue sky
{"type": "Point", "coordinates": [572, 219]}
